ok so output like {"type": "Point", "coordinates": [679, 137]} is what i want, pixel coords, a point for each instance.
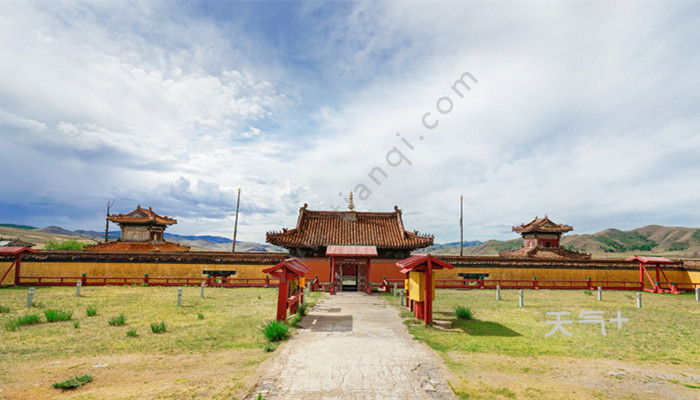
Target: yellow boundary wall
{"type": "Point", "coordinates": [251, 271]}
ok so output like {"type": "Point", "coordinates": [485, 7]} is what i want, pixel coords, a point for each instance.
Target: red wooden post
{"type": "Point", "coordinates": [282, 296]}
{"type": "Point", "coordinates": [267, 280]}
{"type": "Point", "coordinates": [82, 279]}
{"type": "Point", "coordinates": [369, 284]}
{"type": "Point", "coordinates": [534, 283]}
{"type": "Point", "coordinates": [18, 263]}
{"type": "Point", "coordinates": [429, 292]}
{"type": "Point", "coordinates": [658, 278]}
{"type": "Point", "coordinates": [332, 290]}
{"type": "Point", "coordinates": [145, 279]}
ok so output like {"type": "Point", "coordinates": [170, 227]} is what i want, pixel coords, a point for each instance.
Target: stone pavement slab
{"type": "Point", "coordinates": [353, 346]}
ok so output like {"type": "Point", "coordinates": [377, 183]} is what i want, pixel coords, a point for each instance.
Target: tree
{"type": "Point", "coordinates": [71, 244]}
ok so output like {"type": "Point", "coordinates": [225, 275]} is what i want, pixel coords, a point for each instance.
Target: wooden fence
{"type": "Point", "coordinates": [318, 286]}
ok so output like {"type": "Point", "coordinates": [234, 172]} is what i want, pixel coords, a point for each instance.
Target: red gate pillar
{"type": "Point", "coordinates": [282, 296]}
{"type": "Point", "coordinates": [369, 270]}
{"type": "Point", "coordinates": [429, 293]}
{"type": "Point", "coordinates": [332, 291]}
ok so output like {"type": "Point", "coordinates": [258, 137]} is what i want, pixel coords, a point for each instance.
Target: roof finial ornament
{"type": "Point", "coordinates": [351, 205]}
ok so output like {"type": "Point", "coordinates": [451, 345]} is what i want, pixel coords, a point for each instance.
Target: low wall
{"type": "Point", "coordinates": [250, 265]}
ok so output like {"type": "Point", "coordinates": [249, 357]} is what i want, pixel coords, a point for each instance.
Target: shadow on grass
{"type": "Point", "coordinates": [475, 327]}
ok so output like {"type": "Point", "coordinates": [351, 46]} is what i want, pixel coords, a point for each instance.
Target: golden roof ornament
{"type": "Point", "coordinates": [351, 205]}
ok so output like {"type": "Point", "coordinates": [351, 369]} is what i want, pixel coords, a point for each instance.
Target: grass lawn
{"type": "Point", "coordinates": [211, 347]}
{"type": "Point", "coordinates": [503, 351]}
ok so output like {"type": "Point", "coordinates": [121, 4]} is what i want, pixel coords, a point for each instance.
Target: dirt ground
{"type": "Point", "coordinates": [549, 377]}
{"type": "Point", "coordinates": [157, 376]}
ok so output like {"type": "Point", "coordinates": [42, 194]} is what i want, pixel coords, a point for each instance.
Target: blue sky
{"type": "Point", "coordinates": [587, 112]}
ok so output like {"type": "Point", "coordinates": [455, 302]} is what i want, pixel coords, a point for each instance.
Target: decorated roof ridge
{"type": "Point", "coordinates": [544, 252]}
{"type": "Point", "coordinates": [129, 246]}
{"type": "Point", "coordinates": [542, 225]}
{"type": "Point", "coordinates": [142, 215]}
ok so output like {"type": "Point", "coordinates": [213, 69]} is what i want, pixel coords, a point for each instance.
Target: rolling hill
{"type": "Point", "coordinates": [39, 236]}
{"type": "Point", "coordinates": [673, 242]}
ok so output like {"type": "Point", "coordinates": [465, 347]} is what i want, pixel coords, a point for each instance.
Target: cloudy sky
{"type": "Point", "coordinates": [587, 112]}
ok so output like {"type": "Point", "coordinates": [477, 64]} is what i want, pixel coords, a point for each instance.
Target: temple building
{"type": "Point", "coordinates": [142, 231]}
{"type": "Point", "coordinates": [541, 239]}
{"type": "Point", "coordinates": [349, 246]}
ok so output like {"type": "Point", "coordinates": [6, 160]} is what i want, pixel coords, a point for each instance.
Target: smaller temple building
{"type": "Point", "coordinates": [542, 239]}
{"type": "Point", "coordinates": [142, 231]}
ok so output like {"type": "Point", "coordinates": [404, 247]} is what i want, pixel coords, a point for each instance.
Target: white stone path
{"type": "Point", "coordinates": [353, 346]}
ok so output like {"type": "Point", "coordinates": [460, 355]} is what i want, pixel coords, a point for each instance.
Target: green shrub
{"type": "Point", "coordinates": [15, 323]}
{"type": "Point", "coordinates": [118, 321]}
{"type": "Point", "coordinates": [158, 327]}
{"type": "Point", "coordinates": [91, 311]}
{"type": "Point", "coordinates": [54, 315]}
{"type": "Point", "coordinates": [588, 292]}
{"type": "Point", "coordinates": [131, 333]}
{"type": "Point", "coordinates": [270, 347]}
{"type": "Point", "coordinates": [76, 324]}
{"type": "Point", "coordinates": [462, 312]}
{"type": "Point", "coordinates": [4, 309]}
{"type": "Point", "coordinates": [200, 315]}
{"type": "Point", "coordinates": [303, 309]}
{"type": "Point", "coordinates": [275, 331]}
{"type": "Point", "coordinates": [71, 244]}
{"type": "Point", "coordinates": [73, 383]}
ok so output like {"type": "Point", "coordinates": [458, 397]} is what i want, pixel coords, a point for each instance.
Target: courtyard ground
{"type": "Point", "coordinates": [211, 348]}
{"type": "Point", "coordinates": [503, 352]}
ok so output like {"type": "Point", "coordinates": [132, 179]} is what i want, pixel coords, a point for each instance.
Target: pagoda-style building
{"type": "Point", "coordinates": [350, 249]}
{"type": "Point", "coordinates": [316, 230]}
{"type": "Point", "coordinates": [142, 231]}
{"type": "Point", "coordinates": [541, 239]}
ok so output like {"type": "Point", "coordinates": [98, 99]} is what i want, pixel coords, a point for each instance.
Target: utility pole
{"type": "Point", "coordinates": [461, 225]}
{"type": "Point", "coordinates": [235, 226]}
{"type": "Point", "coordinates": [109, 205]}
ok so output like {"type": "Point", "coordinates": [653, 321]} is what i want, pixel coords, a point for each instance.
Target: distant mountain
{"type": "Point", "coordinates": [213, 239]}
{"type": "Point", "coordinates": [673, 242]}
{"type": "Point", "coordinates": [448, 248]}
{"type": "Point", "coordinates": [97, 235]}
{"type": "Point", "coordinates": [19, 226]}
{"type": "Point", "coordinates": [57, 230]}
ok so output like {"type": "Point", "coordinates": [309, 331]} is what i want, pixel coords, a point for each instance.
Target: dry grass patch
{"type": "Point", "coordinates": [503, 352]}
{"type": "Point", "coordinates": [207, 358]}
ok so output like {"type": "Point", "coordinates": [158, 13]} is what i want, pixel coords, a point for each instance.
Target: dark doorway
{"type": "Point", "coordinates": [349, 277]}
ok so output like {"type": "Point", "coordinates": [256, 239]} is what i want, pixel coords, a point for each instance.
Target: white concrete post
{"type": "Point", "coordinates": [639, 299]}
{"type": "Point", "coordinates": [498, 292]}
{"type": "Point", "coordinates": [201, 294]}
{"type": "Point", "coordinates": [30, 297]}
{"type": "Point", "coordinates": [395, 289]}
{"type": "Point", "coordinates": [402, 295]}
{"type": "Point", "coordinates": [78, 285]}
{"type": "Point", "coordinates": [697, 294]}
{"type": "Point", "coordinates": [520, 294]}
{"type": "Point", "coordinates": [179, 297]}
{"type": "Point", "coordinates": [600, 293]}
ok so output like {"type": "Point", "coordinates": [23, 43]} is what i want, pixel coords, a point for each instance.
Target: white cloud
{"type": "Point", "coordinates": [586, 112]}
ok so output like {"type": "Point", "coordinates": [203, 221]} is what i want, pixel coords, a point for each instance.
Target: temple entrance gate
{"type": "Point", "coordinates": [350, 267]}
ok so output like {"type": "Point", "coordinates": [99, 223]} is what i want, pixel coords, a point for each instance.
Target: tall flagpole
{"type": "Point", "coordinates": [461, 225]}
{"type": "Point", "coordinates": [235, 226]}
